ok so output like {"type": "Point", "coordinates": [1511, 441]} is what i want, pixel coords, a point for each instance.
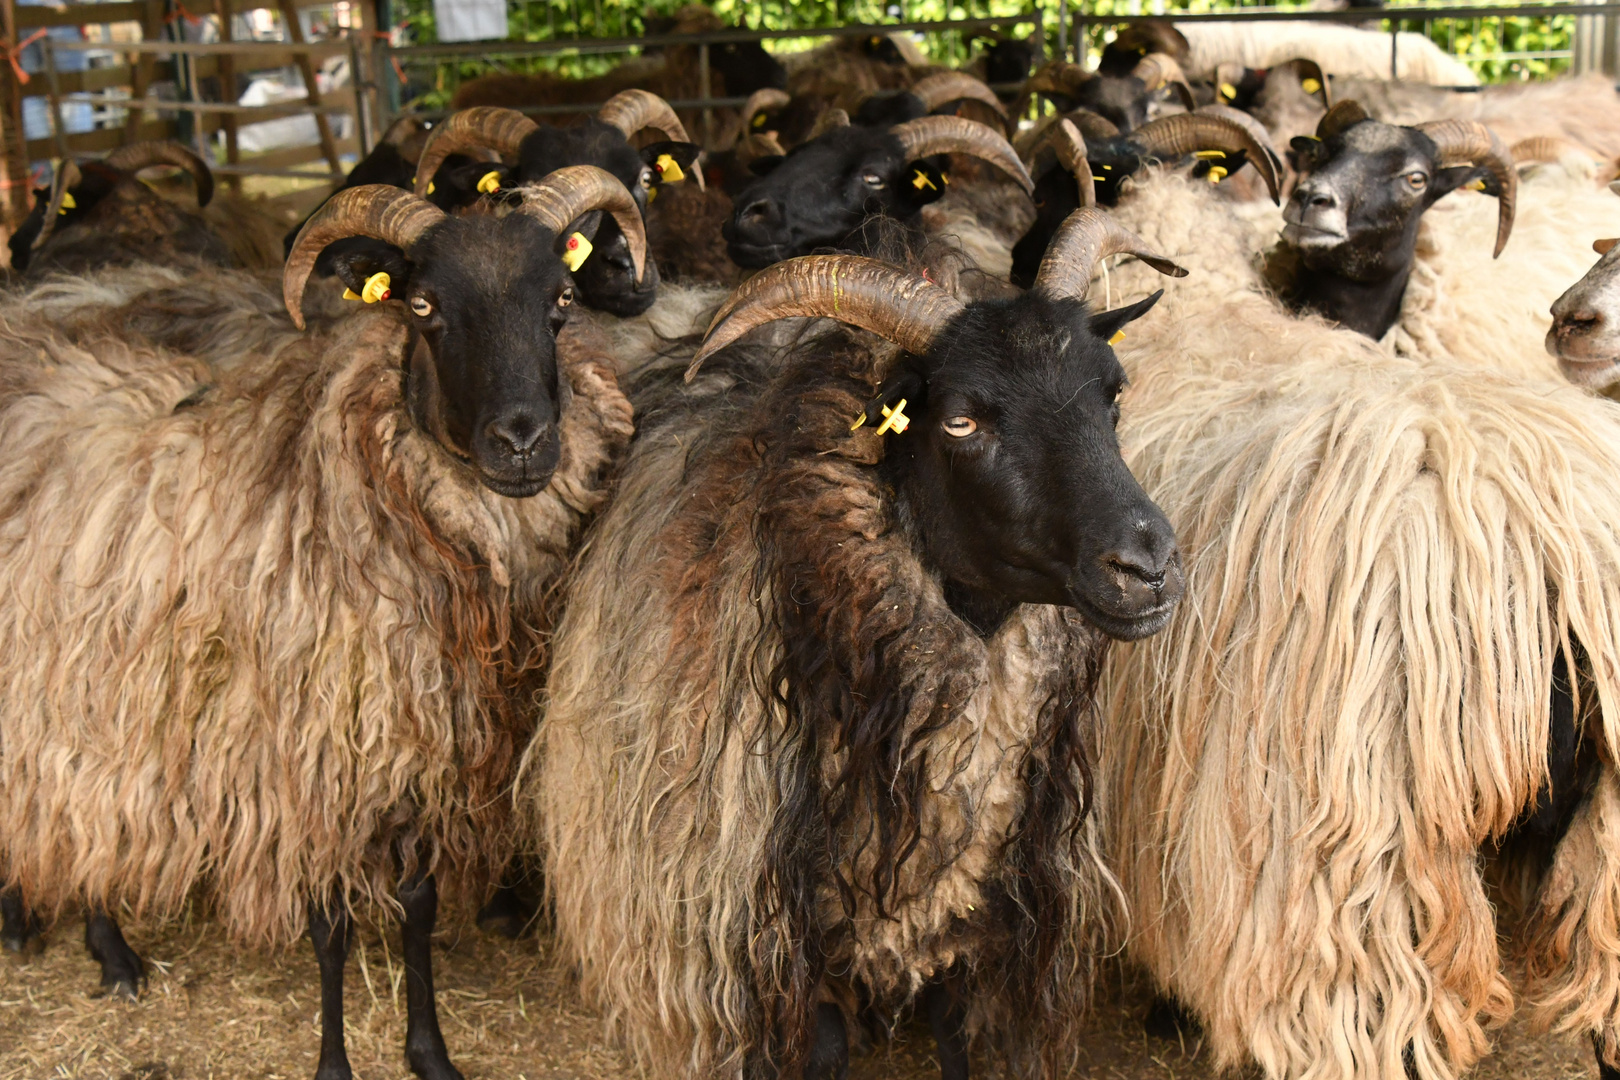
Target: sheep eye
{"type": "Point", "coordinates": [646, 178]}
{"type": "Point", "coordinates": [873, 180]}
{"type": "Point", "coordinates": [1416, 179]}
{"type": "Point", "coordinates": [960, 426]}
{"type": "Point", "coordinates": [565, 298]}
{"type": "Point", "coordinates": [422, 308]}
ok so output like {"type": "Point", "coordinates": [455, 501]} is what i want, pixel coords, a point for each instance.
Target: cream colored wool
{"type": "Point", "coordinates": [1340, 50]}
{"type": "Point", "coordinates": [1383, 556]}
{"type": "Point", "coordinates": [659, 771]}
{"type": "Point", "coordinates": [259, 633]}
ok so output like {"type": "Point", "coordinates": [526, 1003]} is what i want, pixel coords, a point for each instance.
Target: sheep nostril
{"type": "Point", "coordinates": [1579, 322]}
{"type": "Point", "coordinates": [756, 211]}
{"type": "Point", "coordinates": [517, 433]}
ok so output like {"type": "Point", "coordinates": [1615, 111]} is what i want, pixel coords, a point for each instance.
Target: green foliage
{"type": "Point", "coordinates": [1479, 41]}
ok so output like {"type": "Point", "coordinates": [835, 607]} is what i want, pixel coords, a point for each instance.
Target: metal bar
{"type": "Point", "coordinates": [249, 170]}
{"type": "Point", "coordinates": [227, 83]}
{"type": "Point", "coordinates": [227, 108]}
{"type": "Point", "coordinates": [207, 48]}
{"type": "Point", "coordinates": [1356, 15]}
{"type": "Point", "coordinates": [58, 132]}
{"type": "Point", "coordinates": [704, 94]}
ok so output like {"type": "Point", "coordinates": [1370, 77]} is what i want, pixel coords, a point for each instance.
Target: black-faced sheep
{"type": "Point", "coordinates": [817, 723]}
{"type": "Point", "coordinates": [311, 591]}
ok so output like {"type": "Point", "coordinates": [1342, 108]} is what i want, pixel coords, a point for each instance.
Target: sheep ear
{"type": "Point", "coordinates": [1448, 180]}
{"type": "Point", "coordinates": [660, 155]}
{"type": "Point", "coordinates": [1105, 324]}
{"type": "Point", "coordinates": [923, 181]}
{"type": "Point", "coordinates": [356, 259]}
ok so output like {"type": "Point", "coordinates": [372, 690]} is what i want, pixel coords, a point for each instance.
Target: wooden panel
{"type": "Point", "coordinates": [102, 139]}
{"type": "Point", "coordinates": [95, 79]}
{"type": "Point", "coordinates": [30, 17]}
{"type": "Point", "coordinates": [296, 155]}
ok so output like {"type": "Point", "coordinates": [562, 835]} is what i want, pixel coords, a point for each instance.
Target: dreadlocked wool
{"type": "Point", "coordinates": [1384, 556]}
{"type": "Point", "coordinates": [262, 636]}
{"type": "Point", "coordinates": [777, 770]}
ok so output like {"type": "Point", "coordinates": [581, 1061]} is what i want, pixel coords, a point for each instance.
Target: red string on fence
{"type": "Point", "coordinates": [14, 54]}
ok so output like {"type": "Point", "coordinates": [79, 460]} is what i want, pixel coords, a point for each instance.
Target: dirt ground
{"type": "Point", "coordinates": [213, 1013]}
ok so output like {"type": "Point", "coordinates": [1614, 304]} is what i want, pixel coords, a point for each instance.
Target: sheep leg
{"type": "Point", "coordinates": [1166, 1019]}
{"type": "Point", "coordinates": [20, 932]}
{"type": "Point", "coordinates": [122, 972]}
{"type": "Point", "coordinates": [948, 1021]}
{"type": "Point", "coordinates": [331, 931]}
{"type": "Point", "coordinates": [424, 1044]}
{"type": "Point", "coordinates": [514, 905]}
{"type": "Point", "coordinates": [829, 1056]}
{"type": "Point", "coordinates": [1605, 1070]}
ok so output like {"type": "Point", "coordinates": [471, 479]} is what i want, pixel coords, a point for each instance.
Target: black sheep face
{"type": "Point", "coordinates": [746, 67]}
{"type": "Point", "coordinates": [1011, 472]}
{"type": "Point", "coordinates": [821, 192]}
{"type": "Point", "coordinates": [487, 295]}
{"type": "Point", "coordinates": [96, 182]}
{"type": "Point", "coordinates": [1007, 61]}
{"type": "Point", "coordinates": [1122, 100]}
{"type": "Point", "coordinates": [1355, 212]}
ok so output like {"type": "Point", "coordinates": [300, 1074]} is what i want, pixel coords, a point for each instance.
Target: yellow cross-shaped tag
{"type": "Point", "coordinates": [67, 203]}
{"type": "Point", "coordinates": [489, 183]}
{"type": "Point", "coordinates": [376, 288]}
{"type": "Point", "coordinates": [894, 419]}
{"type": "Point", "coordinates": [1310, 86]}
{"type": "Point", "coordinates": [760, 120]}
{"type": "Point", "coordinates": [669, 170]}
{"type": "Point", "coordinates": [576, 251]}
{"type": "Point", "coordinates": [1209, 154]}
{"type": "Point", "coordinates": [432, 187]}
{"type": "Point", "coordinates": [1216, 174]}
{"type": "Point", "coordinates": [1475, 185]}
{"type": "Point", "coordinates": [1119, 336]}
{"type": "Point", "coordinates": [1228, 91]}
{"type": "Point", "coordinates": [921, 181]}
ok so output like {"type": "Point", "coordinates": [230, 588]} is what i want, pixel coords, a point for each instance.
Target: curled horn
{"type": "Point", "coordinates": [381, 211]}
{"type": "Point", "coordinates": [67, 177]}
{"type": "Point", "coordinates": [147, 153]}
{"type": "Point", "coordinates": [487, 126]}
{"type": "Point", "coordinates": [567, 193]}
{"type": "Point", "coordinates": [758, 102]}
{"type": "Point", "coordinates": [1091, 125]}
{"type": "Point", "coordinates": [1158, 69]}
{"type": "Point", "coordinates": [632, 110]}
{"type": "Point", "coordinates": [1341, 116]}
{"type": "Point", "coordinates": [1545, 148]}
{"type": "Point", "coordinates": [945, 86]}
{"type": "Point", "coordinates": [1056, 77]}
{"type": "Point", "coordinates": [1468, 142]}
{"type": "Point", "coordinates": [1186, 133]}
{"type": "Point", "coordinates": [1249, 124]}
{"type": "Point", "coordinates": [955, 135]}
{"type": "Point", "coordinates": [1088, 236]}
{"type": "Point", "coordinates": [895, 304]}
{"type": "Point", "coordinates": [1070, 147]}
{"type": "Point", "coordinates": [829, 120]}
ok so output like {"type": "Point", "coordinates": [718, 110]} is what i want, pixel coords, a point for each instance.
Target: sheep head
{"type": "Point", "coordinates": [823, 189]}
{"type": "Point", "coordinates": [484, 297]}
{"type": "Point", "coordinates": [1002, 413]}
{"type": "Point", "coordinates": [1585, 333]}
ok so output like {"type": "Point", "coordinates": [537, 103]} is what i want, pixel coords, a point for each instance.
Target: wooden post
{"type": "Point", "coordinates": [306, 68]}
{"type": "Point", "coordinates": [227, 89]}
{"type": "Point", "coordinates": [16, 143]}
{"type": "Point", "coordinates": [54, 86]}
{"type": "Point", "coordinates": [141, 64]}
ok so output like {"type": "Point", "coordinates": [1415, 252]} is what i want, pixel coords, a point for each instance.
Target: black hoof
{"type": "Point", "coordinates": [122, 973]}
{"type": "Point", "coordinates": [510, 913]}
{"type": "Point", "coordinates": [1167, 1020]}
{"type": "Point", "coordinates": [334, 1072]}
{"type": "Point", "coordinates": [26, 942]}
{"type": "Point", "coordinates": [20, 932]}
{"type": "Point", "coordinates": [431, 1063]}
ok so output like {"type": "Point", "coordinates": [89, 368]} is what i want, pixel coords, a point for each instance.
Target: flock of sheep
{"type": "Point", "coordinates": [732, 537]}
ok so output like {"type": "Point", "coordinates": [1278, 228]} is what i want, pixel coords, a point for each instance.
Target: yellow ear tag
{"type": "Point", "coordinates": [576, 251]}
{"type": "Point", "coordinates": [894, 419]}
{"type": "Point", "coordinates": [1099, 179]}
{"type": "Point", "coordinates": [432, 187]}
{"type": "Point", "coordinates": [669, 170]}
{"type": "Point", "coordinates": [921, 181]}
{"type": "Point", "coordinates": [652, 193]}
{"type": "Point", "coordinates": [1310, 86]}
{"type": "Point", "coordinates": [1216, 174]}
{"type": "Point", "coordinates": [1119, 336]}
{"type": "Point", "coordinates": [1228, 91]}
{"type": "Point", "coordinates": [67, 203]}
{"type": "Point", "coordinates": [489, 183]}
{"type": "Point", "coordinates": [1209, 155]}
{"type": "Point", "coordinates": [946, 177]}
{"type": "Point", "coordinates": [1475, 185]}
{"type": "Point", "coordinates": [375, 289]}
{"type": "Point", "coordinates": [859, 420]}
{"type": "Point", "coordinates": [760, 120]}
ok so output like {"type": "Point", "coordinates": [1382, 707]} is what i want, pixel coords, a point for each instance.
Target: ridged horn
{"type": "Point", "coordinates": [1342, 115]}
{"type": "Point", "coordinates": [380, 211]}
{"type": "Point", "coordinates": [67, 177]}
{"type": "Point", "coordinates": [1545, 148]}
{"type": "Point", "coordinates": [567, 193]}
{"type": "Point", "coordinates": [1054, 77]}
{"type": "Point", "coordinates": [895, 304]}
{"type": "Point", "coordinates": [1468, 142]}
{"type": "Point", "coordinates": [758, 102]}
{"type": "Point", "coordinates": [149, 152]}
{"type": "Point", "coordinates": [1069, 145]}
{"type": "Point", "coordinates": [1157, 70]}
{"type": "Point", "coordinates": [632, 110]}
{"type": "Point", "coordinates": [1091, 125]}
{"type": "Point", "coordinates": [483, 127]}
{"type": "Point", "coordinates": [1187, 133]}
{"type": "Point", "coordinates": [945, 86]}
{"type": "Point", "coordinates": [957, 135]}
{"type": "Point", "coordinates": [829, 120]}
{"type": "Point", "coordinates": [1249, 124]}
{"type": "Point", "coordinates": [1088, 236]}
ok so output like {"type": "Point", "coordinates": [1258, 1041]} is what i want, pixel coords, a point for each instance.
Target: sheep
{"type": "Point", "coordinates": [1582, 337]}
{"type": "Point", "coordinates": [312, 591]}
{"type": "Point", "coordinates": [808, 729]}
{"type": "Point", "coordinates": [1342, 51]}
{"type": "Point", "coordinates": [1388, 557]}
{"type": "Point", "coordinates": [736, 69]}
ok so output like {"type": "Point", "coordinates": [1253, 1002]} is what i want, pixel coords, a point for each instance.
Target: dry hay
{"type": "Point", "coordinates": [212, 1012]}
